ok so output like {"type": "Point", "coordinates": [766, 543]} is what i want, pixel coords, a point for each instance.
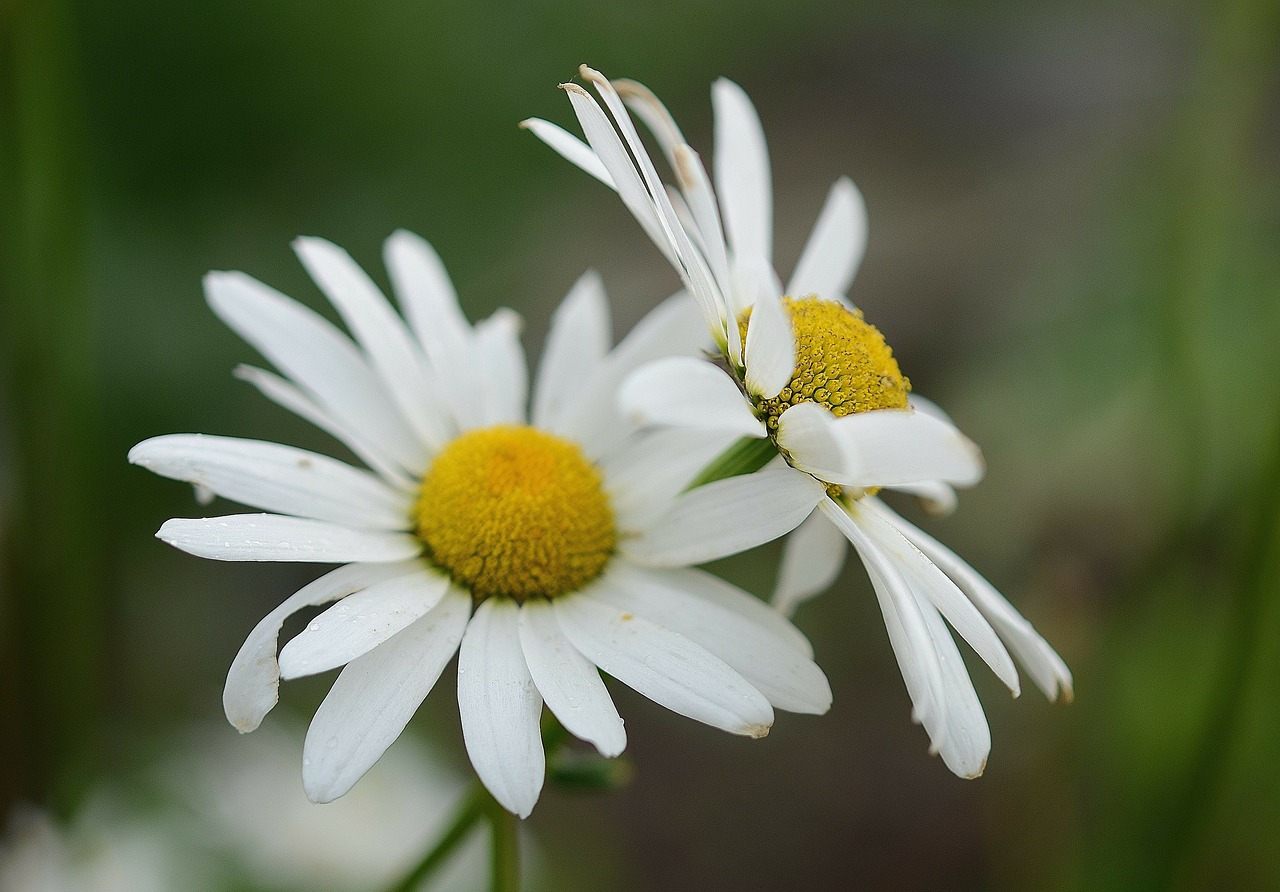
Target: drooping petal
{"type": "Point", "coordinates": [273, 537]}
{"type": "Point", "coordinates": [835, 248]}
{"type": "Point", "coordinates": [287, 396]}
{"type": "Point", "coordinates": [502, 368]}
{"type": "Point", "coordinates": [682, 391]}
{"type": "Point", "coordinates": [277, 478]}
{"type": "Point", "coordinates": [393, 354]}
{"type": "Point", "coordinates": [908, 633]}
{"type": "Point", "coordinates": [359, 623]}
{"type": "Point", "coordinates": [770, 348]}
{"type": "Point", "coordinates": [662, 665]}
{"type": "Point", "coordinates": [576, 345]}
{"type": "Point", "coordinates": [929, 582]}
{"type": "Point", "coordinates": [727, 629]}
{"type": "Point", "coordinates": [965, 743]}
{"type": "Point", "coordinates": [317, 357]}
{"type": "Point", "coordinates": [430, 304]}
{"type": "Point", "coordinates": [1040, 660]}
{"type": "Point", "coordinates": [500, 707]}
{"type": "Point", "coordinates": [570, 148]}
{"type": "Point", "coordinates": [743, 180]}
{"type": "Point", "coordinates": [726, 517]}
{"type": "Point", "coordinates": [253, 682]}
{"type": "Point", "coordinates": [888, 447]}
{"type": "Point", "coordinates": [811, 560]}
{"type": "Point", "coordinates": [375, 696]}
{"type": "Point", "coordinates": [569, 684]}
{"type": "Point", "coordinates": [805, 432]}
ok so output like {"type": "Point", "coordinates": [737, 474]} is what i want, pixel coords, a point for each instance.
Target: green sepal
{"type": "Point", "coordinates": [744, 457]}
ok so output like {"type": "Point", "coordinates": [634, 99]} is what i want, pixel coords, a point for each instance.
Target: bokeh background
{"type": "Point", "coordinates": [1075, 215]}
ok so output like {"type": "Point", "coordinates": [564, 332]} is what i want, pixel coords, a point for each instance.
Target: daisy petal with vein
{"type": "Point", "coordinates": [540, 550]}
{"type": "Point", "coordinates": [801, 368]}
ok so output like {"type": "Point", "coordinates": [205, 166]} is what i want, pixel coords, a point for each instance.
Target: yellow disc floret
{"type": "Point", "coordinates": [842, 363]}
{"type": "Point", "coordinates": [515, 511]}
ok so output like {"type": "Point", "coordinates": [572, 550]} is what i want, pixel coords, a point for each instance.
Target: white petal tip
{"type": "Point", "coordinates": [755, 732]}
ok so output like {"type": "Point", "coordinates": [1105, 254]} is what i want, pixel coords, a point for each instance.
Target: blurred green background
{"type": "Point", "coordinates": [1075, 214]}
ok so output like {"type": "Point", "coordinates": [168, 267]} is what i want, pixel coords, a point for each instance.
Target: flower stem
{"type": "Point", "coordinates": [506, 849]}
{"type": "Point", "coordinates": [474, 807]}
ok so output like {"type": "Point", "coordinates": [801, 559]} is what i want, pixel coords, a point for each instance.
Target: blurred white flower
{"type": "Point", "coordinates": [572, 538]}
{"type": "Point", "coordinates": [221, 814]}
{"type": "Point", "coordinates": [803, 371]}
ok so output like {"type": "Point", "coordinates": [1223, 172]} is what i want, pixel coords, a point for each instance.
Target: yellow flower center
{"type": "Point", "coordinates": [842, 363]}
{"type": "Point", "coordinates": [517, 512]}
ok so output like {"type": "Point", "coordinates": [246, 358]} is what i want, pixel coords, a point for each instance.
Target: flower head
{"type": "Point", "coordinates": [539, 551]}
{"type": "Point", "coordinates": [803, 370]}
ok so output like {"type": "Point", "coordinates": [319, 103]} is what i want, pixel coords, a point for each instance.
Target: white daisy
{"type": "Point", "coordinates": [803, 375]}
{"type": "Point", "coordinates": [540, 552]}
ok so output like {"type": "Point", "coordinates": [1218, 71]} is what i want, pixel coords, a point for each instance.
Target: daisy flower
{"type": "Point", "coordinates": [802, 375]}
{"type": "Point", "coordinates": [539, 552]}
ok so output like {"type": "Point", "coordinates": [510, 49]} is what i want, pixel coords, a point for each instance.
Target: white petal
{"type": "Point", "coordinates": [811, 561]}
{"type": "Point", "coordinates": [936, 497]}
{"type": "Point", "coordinates": [593, 420]}
{"type": "Point", "coordinates": [284, 394]}
{"type": "Point", "coordinates": [1044, 665]}
{"type": "Point", "coordinates": [277, 478]}
{"type": "Point", "coordinates": [430, 304]}
{"type": "Point", "coordinates": [359, 623]}
{"type": "Point", "coordinates": [272, 537]}
{"type": "Point", "coordinates": [374, 698]}
{"type": "Point", "coordinates": [576, 345]}
{"type": "Point", "coordinates": [726, 517]}
{"type": "Point", "coordinates": [928, 407]}
{"type": "Point", "coordinates": [682, 391]}
{"type": "Point", "coordinates": [649, 109]}
{"type": "Point", "coordinates": [500, 361]}
{"type": "Point", "coordinates": [690, 262]}
{"type": "Point", "coordinates": [316, 356]}
{"type": "Point", "coordinates": [908, 633]}
{"type": "Point", "coordinates": [570, 148]}
{"type": "Point", "coordinates": [645, 476]}
{"type": "Point", "coordinates": [711, 588]}
{"type": "Point", "coordinates": [500, 707]}
{"type": "Point", "coordinates": [928, 581]}
{"type": "Point", "coordinates": [805, 432]}
{"type": "Point", "coordinates": [622, 171]}
{"type": "Point", "coordinates": [965, 743]}
{"type": "Point", "coordinates": [835, 247]}
{"type": "Point", "coordinates": [727, 629]}
{"type": "Point", "coordinates": [253, 682]}
{"type": "Point", "coordinates": [393, 354]}
{"type": "Point", "coordinates": [569, 684]}
{"type": "Point", "coordinates": [888, 447]}
{"type": "Point", "coordinates": [742, 171]}
{"type": "Point", "coordinates": [696, 186]}
{"type": "Point", "coordinates": [771, 348]}
{"type": "Point", "coordinates": [664, 666]}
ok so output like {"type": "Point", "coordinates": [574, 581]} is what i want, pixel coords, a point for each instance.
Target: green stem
{"type": "Point", "coordinates": [506, 849]}
{"type": "Point", "coordinates": [51, 555]}
{"type": "Point", "coordinates": [475, 806]}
